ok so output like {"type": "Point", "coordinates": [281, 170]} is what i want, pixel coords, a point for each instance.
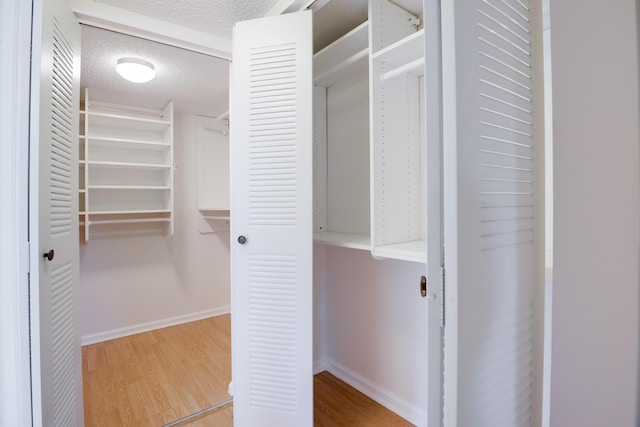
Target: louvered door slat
{"type": "Point", "coordinates": [271, 206]}
{"type": "Point", "coordinates": [490, 138]}
{"type": "Point", "coordinates": [57, 397]}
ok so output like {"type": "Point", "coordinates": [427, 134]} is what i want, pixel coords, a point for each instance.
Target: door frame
{"type": "Point", "coordinates": [15, 389]}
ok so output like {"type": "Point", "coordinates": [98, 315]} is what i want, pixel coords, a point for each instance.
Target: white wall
{"type": "Point", "coordinates": [594, 354]}
{"type": "Point", "coordinates": [15, 42]}
{"type": "Point", "coordinates": [135, 278]}
{"type": "Point", "coordinates": [375, 328]}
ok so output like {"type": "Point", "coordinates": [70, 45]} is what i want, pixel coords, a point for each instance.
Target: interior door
{"type": "Point", "coordinates": [271, 221]}
{"type": "Point", "coordinates": [53, 206]}
{"type": "Point", "coordinates": [491, 112]}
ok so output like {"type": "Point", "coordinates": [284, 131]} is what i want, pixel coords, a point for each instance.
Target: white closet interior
{"type": "Point", "coordinates": [126, 165]}
{"type": "Point", "coordinates": [341, 142]}
{"type": "Point", "coordinates": [370, 207]}
{"type": "Point", "coordinates": [369, 144]}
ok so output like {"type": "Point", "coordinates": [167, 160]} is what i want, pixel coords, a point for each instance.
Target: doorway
{"type": "Point", "coordinates": [143, 280]}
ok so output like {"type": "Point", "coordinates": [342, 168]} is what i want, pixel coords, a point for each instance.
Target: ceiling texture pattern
{"type": "Point", "coordinates": [209, 16]}
{"type": "Point", "coordinates": [197, 83]}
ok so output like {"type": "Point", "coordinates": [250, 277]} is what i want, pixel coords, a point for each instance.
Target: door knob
{"type": "Point", "coordinates": [242, 240]}
{"type": "Point", "coordinates": [49, 255]}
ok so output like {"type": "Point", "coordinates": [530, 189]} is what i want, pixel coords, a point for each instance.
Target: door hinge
{"type": "Point", "coordinates": [442, 290]}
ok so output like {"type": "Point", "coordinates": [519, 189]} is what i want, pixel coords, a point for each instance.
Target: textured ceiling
{"type": "Point", "coordinates": [209, 16]}
{"type": "Point", "coordinates": [196, 83]}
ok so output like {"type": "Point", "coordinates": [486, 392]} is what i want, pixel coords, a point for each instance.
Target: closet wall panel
{"type": "Point", "coordinates": [376, 328]}
{"type": "Point", "coordinates": [135, 277]}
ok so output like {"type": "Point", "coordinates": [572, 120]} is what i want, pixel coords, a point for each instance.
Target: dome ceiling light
{"type": "Point", "coordinates": [136, 70]}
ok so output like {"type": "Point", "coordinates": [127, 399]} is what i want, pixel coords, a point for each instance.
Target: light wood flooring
{"type": "Point", "coordinates": [157, 377]}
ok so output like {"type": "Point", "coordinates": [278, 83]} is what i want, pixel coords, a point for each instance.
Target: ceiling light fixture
{"type": "Point", "coordinates": [136, 70]}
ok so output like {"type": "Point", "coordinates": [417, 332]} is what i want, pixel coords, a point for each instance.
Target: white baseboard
{"type": "Point", "coordinates": [386, 398]}
{"type": "Point", "coordinates": [320, 365]}
{"type": "Point", "coordinates": [150, 326]}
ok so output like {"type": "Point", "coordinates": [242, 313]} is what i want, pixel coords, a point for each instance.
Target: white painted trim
{"type": "Point", "coordinates": [100, 15]}
{"type": "Point", "coordinates": [156, 324]}
{"type": "Point", "coordinates": [320, 365]}
{"type": "Point", "coordinates": [386, 398]}
{"type": "Point", "coordinates": [15, 48]}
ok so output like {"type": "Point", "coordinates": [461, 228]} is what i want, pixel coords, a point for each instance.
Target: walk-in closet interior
{"type": "Point", "coordinates": [154, 221]}
{"type": "Point", "coordinates": [322, 241]}
{"type": "Point", "coordinates": [154, 204]}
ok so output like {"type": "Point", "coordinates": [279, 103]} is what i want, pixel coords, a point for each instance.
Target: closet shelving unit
{"type": "Point", "coordinates": [398, 145]}
{"type": "Point", "coordinates": [341, 142]}
{"type": "Point", "coordinates": [369, 143]}
{"type": "Point", "coordinates": [126, 165]}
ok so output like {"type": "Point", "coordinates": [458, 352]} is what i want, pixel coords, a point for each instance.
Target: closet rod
{"type": "Point", "coordinates": [402, 69]}
{"type": "Point", "coordinates": [219, 124]}
{"type": "Point", "coordinates": [348, 61]}
{"type": "Point", "coordinates": [221, 117]}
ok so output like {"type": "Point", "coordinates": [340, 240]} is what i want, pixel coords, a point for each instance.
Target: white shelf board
{"type": "Point", "coordinates": [129, 187]}
{"type": "Point", "coordinates": [125, 165]}
{"type": "Point", "coordinates": [346, 56]}
{"type": "Point", "coordinates": [415, 251]}
{"type": "Point", "coordinates": [343, 240]}
{"type": "Point", "coordinates": [128, 221]}
{"type": "Point", "coordinates": [403, 51]}
{"type": "Point", "coordinates": [108, 142]}
{"type": "Point", "coordinates": [126, 121]}
{"type": "Point", "coordinates": [219, 214]}
{"type": "Point", "coordinates": [130, 212]}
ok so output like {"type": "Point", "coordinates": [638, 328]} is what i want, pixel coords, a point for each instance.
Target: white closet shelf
{"type": "Point", "coordinates": [129, 187]}
{"type": "Point", "coordinates": [409, 50]}
{"type": "Point", "coordinates": [346, 56]}
{"type": "Point", "coordinates": [343, 240]}
{"type": "Point", "coordinates": [224, 215]}
{"type": "Point", "coordinates": [126, 165]}
{"type": "Point", "coordinates": [131, 212]}
{"type": "Point", "coordinates": [126, 121]}
{"type": "Point", "coordinates": [415, 250]}
{"type": "Point", "coordinates": [128, 221]}
{"type": "Point", "coordinates": [109, 142]}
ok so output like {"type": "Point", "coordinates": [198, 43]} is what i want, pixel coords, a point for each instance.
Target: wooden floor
{"type": "Point", "coordinates": [157, 377]}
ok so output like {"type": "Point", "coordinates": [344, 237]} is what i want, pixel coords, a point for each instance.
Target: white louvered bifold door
{"type": "Point", "coordinates": [271, 221]}
{"type": "Point", "coordinates": [491, 105]}
{"type": "Point", "coordinates": [53, 195]}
